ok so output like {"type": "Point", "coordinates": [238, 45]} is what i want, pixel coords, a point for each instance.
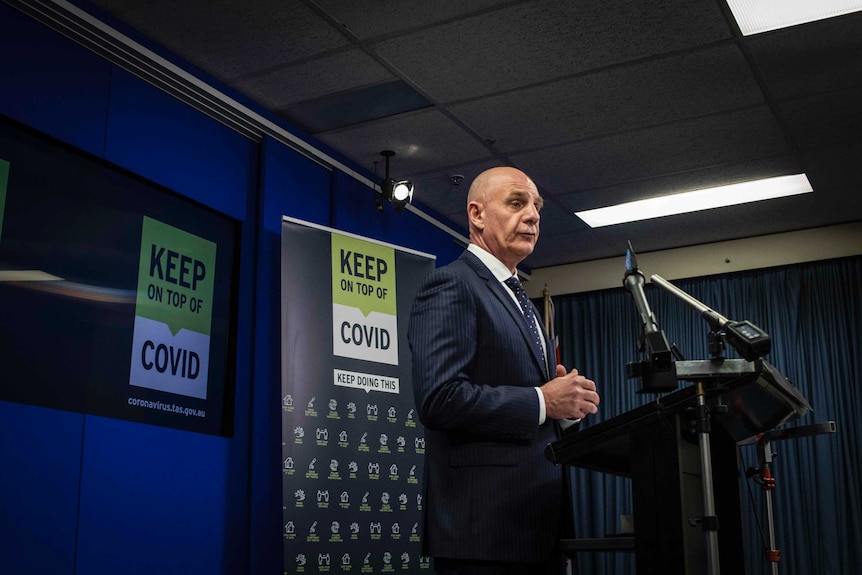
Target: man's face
{"type": "Point", "coordinates": [508, 214]}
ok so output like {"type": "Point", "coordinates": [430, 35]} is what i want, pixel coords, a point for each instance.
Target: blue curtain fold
{"type": "Point", "coordinates": [813, 313]}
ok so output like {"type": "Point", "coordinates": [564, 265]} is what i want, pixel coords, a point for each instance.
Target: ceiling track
{"type": "Point", "coordinates": [119, 49]}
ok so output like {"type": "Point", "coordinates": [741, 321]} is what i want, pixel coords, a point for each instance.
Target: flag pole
{"type": "Point", "coordinates": [547, 295]}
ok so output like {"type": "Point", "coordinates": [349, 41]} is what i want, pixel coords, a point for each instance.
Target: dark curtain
{"type": "Point", "coordinates": [813, 312]}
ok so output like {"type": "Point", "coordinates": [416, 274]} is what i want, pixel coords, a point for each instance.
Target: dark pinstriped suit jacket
{"type": "Point", "coordinates": [490, 492]}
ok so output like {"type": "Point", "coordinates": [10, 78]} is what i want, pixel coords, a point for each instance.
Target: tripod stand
{"type": "Point", "coordinates": [763, 474]}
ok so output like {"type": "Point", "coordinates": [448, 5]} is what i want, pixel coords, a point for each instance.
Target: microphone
{"type": "Point", "coordinates": [633, 281]}
{"type": "Point", "coordinates": [747, 339]}
{"type": "Point", "coordinates": [657, 371]}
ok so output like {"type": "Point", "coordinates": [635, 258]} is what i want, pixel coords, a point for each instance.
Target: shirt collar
{"type": "Point", "coordinates": [498, 268]}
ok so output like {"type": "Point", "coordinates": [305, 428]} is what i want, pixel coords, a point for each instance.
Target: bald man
{"type": "Point", "coordinates": [490, 398]}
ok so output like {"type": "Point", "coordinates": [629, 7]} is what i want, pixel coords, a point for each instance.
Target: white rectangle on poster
{"type": "Point", "coordinates": [366, 381]}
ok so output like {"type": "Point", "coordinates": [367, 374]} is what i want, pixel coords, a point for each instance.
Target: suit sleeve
{"type": "Point", "coordinates": [457, 387]}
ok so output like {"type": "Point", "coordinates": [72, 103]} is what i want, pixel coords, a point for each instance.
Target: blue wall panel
{"type": "Point", "coordinates": [153, 500]}
{"type": "Point", "coordinates": [296, 186]}
{"type": "Point", "coordinates": [51, 83]}
{"type": "Point", "coordinates": [293, 185]}
{"type": "Point", "coordinates": [40, 451]}
{"type": "Point", "coordinates": [162, 139]}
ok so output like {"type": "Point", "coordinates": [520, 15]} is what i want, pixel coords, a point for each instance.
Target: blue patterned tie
{"type": "Point", "coordinates": [527, 309]}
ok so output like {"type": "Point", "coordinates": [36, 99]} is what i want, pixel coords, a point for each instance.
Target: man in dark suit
{"type": "Point", "coordinates": [489, 398]}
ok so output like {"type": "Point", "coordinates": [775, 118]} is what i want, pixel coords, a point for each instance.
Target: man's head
{"type": "Point", "coordinates": [503, 208]}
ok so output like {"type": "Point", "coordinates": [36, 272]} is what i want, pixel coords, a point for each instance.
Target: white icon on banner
{"type": "Point", "coordinates": [300, 560]}
{"type": "Point", "coordinates": [364, 437]}
{"type": "Point", "coordinates": [392, 413]}
{"type": "Point", "coordinates": [410, 415]}
{"type": "Point", "coordinates": [345, 498]}
{"type": "Point", "coordinates": [351, 407]}
{"type": "Point", "coordinates": [387, 558]}
{"type": "Point", "coordinates": [298, 432]}
{"type": "Point", "coordinates": [402, 499]}
{"type": "Point", "coordinates": [323, 559]}
{"type": "Point", "coordinates": [415, 529]}
{"type": "Point", "coordinates": [396, 529]}
{"type": "Point", "coordinates": [313, 528]}
{"type": "Point", "coordinates": [367, 559]}
{"type": "Point", "coordinates": [384, 439]}
{"type": "Point", "coordinates": [342, 437]}
{"type": "Point", "coordinates": [405, 557]}
{"type": "Point", "coordinates": [311, 403]}
{"type": "Point", "coordinates": [419, 443]}
{"type": "Point", "coordinates": [375, 527]}
{"type": "Point", "coordinates": [393, 469]}
{"type": "Point", "coordinates": [323, 495]}
{"type": "Point", "coordinates": [333, 405]}
{"type": "Point", "coordinates": [413, 471]}
{"type": "Point", "coordinates": [373, 468]}
{"type": "Point", "coordinates": [345, 559]}
{"type": "Point", "coordinates": [365, 498]}
{"type": "Point", "coordinates": [335, 527]}
{"type": "Point", "coordinates": [287, 401]}
{"type": "Point", "coordinates": [401, 441]}
{"type": "Point", "coordinates": [333, 465]}
{"type": "Point", "coordinates": [288, 463]}
{"type": "Point", "coordinates": [384, 498]}
{"type": "Point", "coordinates": [354, 528]}
{"type": "Point", "coordinates": [311, 465]}
{"type": "Point", "coordinates": [289, 528]}
{"type": "Point", "coordinates": [299, 495]}
{"type": "Point", "coordinates": [371, 409]}
{"type": "Point", "coordinates": [353, 467]}
{"type": "Point", "coordinates": [322, 434]}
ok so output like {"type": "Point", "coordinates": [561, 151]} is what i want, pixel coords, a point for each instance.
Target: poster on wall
{"type": "Point", "coordinates": [352, 445]}
{"type": "Point", "coordinates": [117, 296]}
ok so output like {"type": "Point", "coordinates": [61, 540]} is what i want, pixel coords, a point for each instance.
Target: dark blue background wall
{"type": "Point", "coordinates": [87, 495]}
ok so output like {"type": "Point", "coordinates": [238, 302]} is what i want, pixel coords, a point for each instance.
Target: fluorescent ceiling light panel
{"type": "Point", "coordinates": [697, 200]}
{"type": "Point", "coordinates": [756, 16]}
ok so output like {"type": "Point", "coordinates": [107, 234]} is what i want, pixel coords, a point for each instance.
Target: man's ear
{"type": "Point", "coordinates": [476, 215]}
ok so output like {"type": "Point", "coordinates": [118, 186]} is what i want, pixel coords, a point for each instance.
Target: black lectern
{"type": "Point", "coordinates": [656, 445]}
{"type": "Point", "coordinates": [685, 470]}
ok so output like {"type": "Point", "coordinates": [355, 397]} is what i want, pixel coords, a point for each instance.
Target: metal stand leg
{"type": "Point", "coordinates": [710, 520]}
{"type": "Point", "coordinates": [767, 483]}
{"type": "Point", "coordinates": [763, 475]}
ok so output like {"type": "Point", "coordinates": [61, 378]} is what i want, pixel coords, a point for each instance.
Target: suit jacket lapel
{"type": "Point", "coordinates": [500, 292]}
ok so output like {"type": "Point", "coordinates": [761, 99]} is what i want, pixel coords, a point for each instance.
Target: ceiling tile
{"type": "Point", "coordinates": [322, 77]}
{"type": "Point", "coordinates": [825, 120]}
{"type": "Point", "coordinates": [537, 41]}
{"type": "Point", "coordinates": [614, 100]}
{"type": "Point", "coordinates": [229, 40]}
{"type": "Point", "coordinates": [812, 58]}
{"type": "Point", "coordinates": [710, 141]}
{"type": "Point", "coordinates": [442, 142]}
{"type": "Point", "coordinates": [391, 17]}
{"type": "Point", "coordinates": [355, 107]}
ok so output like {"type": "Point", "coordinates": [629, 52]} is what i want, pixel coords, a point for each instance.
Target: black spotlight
{"type": "Point", "coordinates": [399, 192]}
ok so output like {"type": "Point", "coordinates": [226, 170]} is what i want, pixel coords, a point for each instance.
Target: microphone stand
{"type": "Point", "coordinates": [709, 519]}
{"type": "Point", "coordinates": [657, 371]}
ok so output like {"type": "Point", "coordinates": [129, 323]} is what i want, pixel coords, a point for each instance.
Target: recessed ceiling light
{"type": "Point", "coordinates": [697, 200]}
{"type": "Point", "coordinates": [756, 16]}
